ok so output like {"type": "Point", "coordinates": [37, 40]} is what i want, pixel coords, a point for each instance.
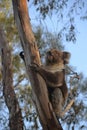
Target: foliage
{"type": "Point", "coordinates": [46, 40]}
{"type": "Point", "coordinates": [64, 13]}
{"type": "Point", "coordinates": [78, 110]}
{"type": "Point", "coordinates": [45, 7]}
{"type": "Point", "coordinates": [6, 16]}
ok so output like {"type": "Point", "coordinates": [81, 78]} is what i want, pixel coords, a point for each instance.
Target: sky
{"type": "Point", "coordinates": [78, 50]}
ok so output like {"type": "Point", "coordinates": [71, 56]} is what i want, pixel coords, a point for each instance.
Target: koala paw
{"type": "Point", "coordinates": [34, 67]}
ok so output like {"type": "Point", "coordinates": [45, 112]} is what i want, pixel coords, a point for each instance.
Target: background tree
{"type": "Point", "coordinates": [15, 117]}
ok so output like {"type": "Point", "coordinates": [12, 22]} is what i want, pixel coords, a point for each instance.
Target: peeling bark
{"type": "Point", "coordinates": [39, 88]}
{"type": "Point", "coordinates": [15, 116]}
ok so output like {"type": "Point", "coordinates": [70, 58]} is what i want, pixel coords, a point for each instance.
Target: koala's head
{"type": "Point", "coordinates": [55, 56]}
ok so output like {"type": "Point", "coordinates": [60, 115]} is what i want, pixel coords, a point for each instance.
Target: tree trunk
{"type": "Point", "coordinates": [15, 117]}
{"type": "Point", "coordinates": [39, 88]}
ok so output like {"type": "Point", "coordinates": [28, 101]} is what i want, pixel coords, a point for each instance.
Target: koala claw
{"type": "Point", "coordinates": [34, 67]}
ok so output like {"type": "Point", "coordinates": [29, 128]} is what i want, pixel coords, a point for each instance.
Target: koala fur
{"type": "Point", "coordinates": [53, 72]}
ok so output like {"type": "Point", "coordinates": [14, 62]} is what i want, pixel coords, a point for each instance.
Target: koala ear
{"type": "Point", "coordinates": [66, 57]}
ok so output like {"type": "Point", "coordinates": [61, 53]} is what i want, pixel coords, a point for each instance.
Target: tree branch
{"type": "Point", "coordinates": [67, 107]}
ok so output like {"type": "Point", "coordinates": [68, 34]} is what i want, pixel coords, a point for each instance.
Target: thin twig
{"type": "Point", "coordinates": [68, 107]}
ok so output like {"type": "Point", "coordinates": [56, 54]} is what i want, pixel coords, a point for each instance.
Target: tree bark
{"type": "Point", "coordinates": [15, 116]}
{"type": "Point", "coordinates": [39, 88]}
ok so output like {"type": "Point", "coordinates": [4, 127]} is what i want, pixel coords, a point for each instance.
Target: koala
{"type": "Point", "coordinates": [53, 72]}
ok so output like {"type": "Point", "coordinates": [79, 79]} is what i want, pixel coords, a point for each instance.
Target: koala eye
{"type": "Point", "coordinates": [49, 53]}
